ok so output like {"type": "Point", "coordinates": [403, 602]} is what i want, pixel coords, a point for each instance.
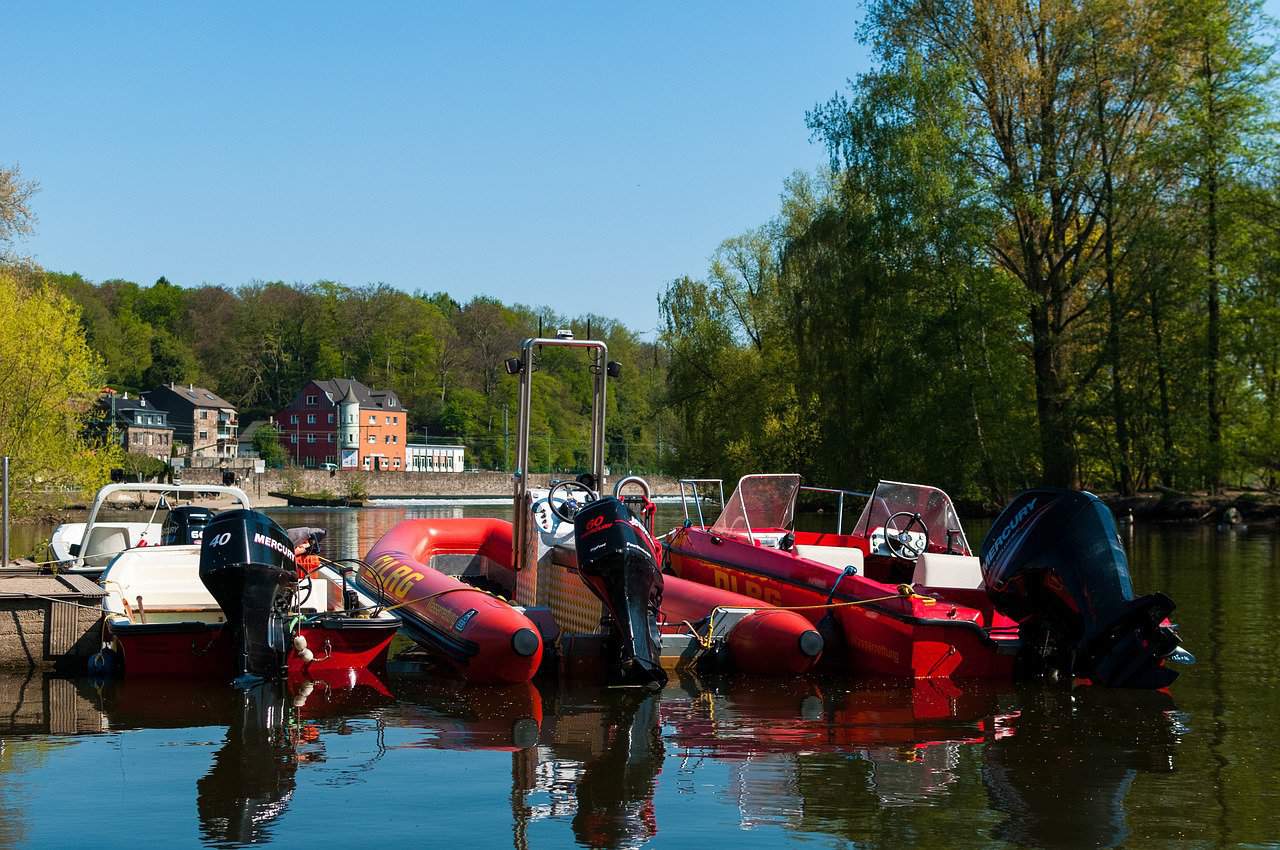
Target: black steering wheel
{"type": "Point", "coordinates": [303, 591]}
{"type": "Point", "coordinates": [568, 507]}
{"type": "Point", "coordinates": [898, 539]}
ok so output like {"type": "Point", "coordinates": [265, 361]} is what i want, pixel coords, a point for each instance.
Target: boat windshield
{"type": "Point", "coordinates": [760, 502]}
{"type": "Point", "coordinates": [934, 507]}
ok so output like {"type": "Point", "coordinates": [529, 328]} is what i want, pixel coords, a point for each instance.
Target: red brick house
{"type": "Point", "coordinates": [345, 423]}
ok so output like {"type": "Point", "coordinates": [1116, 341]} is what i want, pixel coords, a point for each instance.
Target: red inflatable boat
{"type": "Point", "coordinates": [484, 639]}
{"type": "Point", "coordinates": [768, 641]}
{"type": "Point", "coordinates": [481, 636]}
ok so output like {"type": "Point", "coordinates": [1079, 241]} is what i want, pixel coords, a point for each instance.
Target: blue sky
{"type": "Point", "coordinates": [576, 155]}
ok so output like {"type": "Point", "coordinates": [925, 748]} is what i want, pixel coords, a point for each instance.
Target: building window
{"type": "Point", "coordinates": [396, 463]}
{"type": "Point", "coordinates": [311, 438]}
{"type": "Point", "coordinates": [309, 462]}
{"type": "Point", "coordinates": [204, 414]}
{"type": "Point", "coordinates": [373, 420]}
{"type": "Point", "coordinates": [293, 438]}
{"type": "Point", "coordinates": [311, 400]}
{"type": "Point", "coordinates": [328, 458]}
{"type": "Point", "coordinates": [387, 439]}
{"type": "Point", "coordinates": [388, 420]}
{"type": "Point", "coordinates": [395, 438]}
{"type": "Point", "coordinates": [366, 463]}
{"type": "Point", "coordinates": [372, 438]}
{"type": "Point", "coordinates": [330, 418]}
{"type": "Point", "coordinates": [331, 436]}
{"type": "Point", "coordinates": [204, 435]}
{"type": "Point", "coordinates": [311, 419]}
{"type": "Point", "coordinates": [395, 420]}
{"type": "Point", "coordinates": [293, 419]}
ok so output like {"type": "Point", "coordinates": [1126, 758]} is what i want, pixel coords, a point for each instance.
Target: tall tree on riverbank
{"type": "Point", "coordinates": [1041, 144]}
{"type": "Point", "coordinates": [51, 381]}
{"type": "Point", "coordinates": [1224, 134]}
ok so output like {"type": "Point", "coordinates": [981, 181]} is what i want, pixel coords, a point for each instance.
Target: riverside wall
{"type": "Point", "coordinates": [391, 484]}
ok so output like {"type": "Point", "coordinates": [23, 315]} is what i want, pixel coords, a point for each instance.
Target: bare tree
{"type": "Point", "coordinates": [16, 216]}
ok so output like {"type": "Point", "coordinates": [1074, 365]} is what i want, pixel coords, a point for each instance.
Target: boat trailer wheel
{"type": "Point", "coordinates": [898, 541]}
{"type": "Point", "coordinates": [567, 508]}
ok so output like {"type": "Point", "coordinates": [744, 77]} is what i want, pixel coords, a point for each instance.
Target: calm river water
{"type": "Point", "coordinates": [705, 763]}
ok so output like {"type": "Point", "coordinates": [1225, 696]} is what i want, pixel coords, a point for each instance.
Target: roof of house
{"type": "Point", "coordinates": [338, 388]}
{"type": "Point", "coordinates": [124, 404]}
{"type": "Point", "coordinates": [246, 433]}
{"type": "Point", "coordinates": [198, 396]}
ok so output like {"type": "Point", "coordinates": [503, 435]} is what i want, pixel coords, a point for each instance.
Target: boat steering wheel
{"type": "Point", "coordinates": [568, 507]}
{"type": "Point", "coordinates": [302, 592]}
{"type": "Point", "coordinates": [899, 541]}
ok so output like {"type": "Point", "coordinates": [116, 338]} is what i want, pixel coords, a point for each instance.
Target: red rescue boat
{"type": "Point", "coordinates": [481, 636]}
{"type": "Point", "coordinates": [908, 598]}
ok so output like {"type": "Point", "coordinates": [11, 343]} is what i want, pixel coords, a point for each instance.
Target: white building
{"type": "Point", "coordinates": [421, 457]}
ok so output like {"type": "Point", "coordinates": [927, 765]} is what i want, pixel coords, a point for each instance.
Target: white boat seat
{"type": "Point", "coordinates": [833, 556]}
{"type": "Point", "coordinates": [106, 540]}
{"type": "Point", "coordinates": [937, 570]}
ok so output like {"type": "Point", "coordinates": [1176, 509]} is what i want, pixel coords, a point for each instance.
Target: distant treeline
{"type": "Point", "coordinates": [1047, 250]}
{"type": "Point", "coordinates": [258, 345]}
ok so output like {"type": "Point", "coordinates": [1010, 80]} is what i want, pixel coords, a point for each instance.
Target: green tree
{"type": "Point", "coordinates": [266, 441]}
{"type": "Point", "coordinates": [52, 382]}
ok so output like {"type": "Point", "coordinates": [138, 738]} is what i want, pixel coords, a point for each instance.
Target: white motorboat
{"type": "Point", "coordinates": [87, 547]}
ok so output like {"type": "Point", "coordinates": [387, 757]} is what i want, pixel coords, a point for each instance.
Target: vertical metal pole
{"type": "Point", "coordinates": [4, 546]}
{"type": "Point", "coordinates": [520, 475]}
{"type": "Point", "coordinates": [840, 516]}
{"type": "Point", "coordinates": [598, 410]}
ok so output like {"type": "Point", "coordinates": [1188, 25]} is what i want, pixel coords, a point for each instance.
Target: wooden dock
{"type": "Point", "coordinates": [49, 620]}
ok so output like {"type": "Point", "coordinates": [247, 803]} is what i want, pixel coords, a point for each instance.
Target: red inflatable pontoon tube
{"type": "Point", "coordinates": [480, 636]}
{"type": "Point", "coordinates": [768, 642]}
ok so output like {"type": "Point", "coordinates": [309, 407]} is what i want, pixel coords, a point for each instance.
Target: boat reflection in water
{"type": "Point", "coordinates": [1061, 781]}
{"type": "Point", "coordinates": [596, 763]}
{"type": "Point", "coordinates": [832, 757]}
{"type": "Point", "coordinates": [273, 727]}
{"type": "Point", "coordinates": [871, 764]}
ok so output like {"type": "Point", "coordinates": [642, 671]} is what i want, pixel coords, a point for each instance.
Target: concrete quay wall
{"type": "Point", "coordinates": [388, 484]}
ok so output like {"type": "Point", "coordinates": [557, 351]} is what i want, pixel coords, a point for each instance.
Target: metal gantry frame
{"type": "Point", "coordinates": [599, 353]}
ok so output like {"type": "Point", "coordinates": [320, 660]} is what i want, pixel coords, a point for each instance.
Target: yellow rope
{"type": "Point", "coordinates": [905, 591]}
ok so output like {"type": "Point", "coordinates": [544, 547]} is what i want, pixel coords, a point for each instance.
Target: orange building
{"type": "Point", "coordinates": [347, 424]}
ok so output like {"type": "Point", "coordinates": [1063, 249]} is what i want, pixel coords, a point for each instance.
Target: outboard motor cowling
{"type": "Point", "coordinates": [616, 560]}
{"type": "Point", "coordinates": [1053, 561]}
{"type": "Point", "coordinates": [185, 525]}
{"type": "Point", "coordinates": [247, 563]}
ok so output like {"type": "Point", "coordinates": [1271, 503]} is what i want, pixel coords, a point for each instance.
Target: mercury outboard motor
{"type": "Point", "coordinates": [247, 563]}
{"type": "Point", "coordinates": [184, 525]}
{"type": "Point", "coordinates": [616, 560]}
{"type": "Point", "coordinates": [1053, 562]}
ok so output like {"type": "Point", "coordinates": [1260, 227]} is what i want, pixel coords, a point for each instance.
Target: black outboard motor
{"type": "Point", "coordinates": [615, 559]}
{"type": "Point", "coordinates": [247, 563]}
{"type": "Point", "coordinates": [185, 525]}
{"type": "Point", "coordinates": [1053, 562]}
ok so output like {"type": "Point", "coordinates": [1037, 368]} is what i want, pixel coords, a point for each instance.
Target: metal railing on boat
{"type": "Point", "coordinates": [697, 498]}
